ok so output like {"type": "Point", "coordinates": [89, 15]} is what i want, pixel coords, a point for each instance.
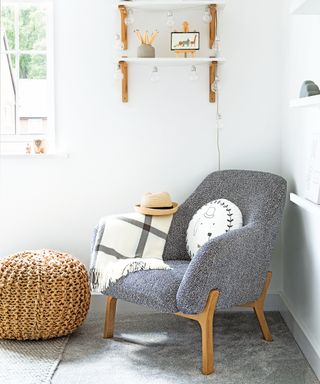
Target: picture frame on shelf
{"type": "Point", "coordinates": [185, 41]}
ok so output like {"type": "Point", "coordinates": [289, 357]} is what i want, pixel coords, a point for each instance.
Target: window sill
{"type": "Point", "coordinates": [34, 156]}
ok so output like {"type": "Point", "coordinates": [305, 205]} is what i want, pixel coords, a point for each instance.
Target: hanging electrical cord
{"type": "Point", "coordinates": [218, 120]}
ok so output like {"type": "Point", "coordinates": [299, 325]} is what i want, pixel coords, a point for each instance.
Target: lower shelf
{"type": "Point", "coordinates": [212, 62]}
{"type": "Point", "coordinates": [304, 203]}
{"type": "Point", "coordinates": [172, 61]}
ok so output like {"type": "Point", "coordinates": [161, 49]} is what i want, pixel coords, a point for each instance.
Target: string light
{"type": "Point", "coordinates": [129, 20]}
{"type": "Point", "coordinates": [206, 17]}
{"type": "Point", "coordinates": [118, 44]}
{"type": "Point", "coordinates": [170, 19]}
{"type": "Point", "coordinates": [155, 77]}
{"type": "Point", "coordinates": [217, 47]}
{"type": "Point", "coordinates": [193, 73]}
{"type": "Point", "coordinates": [118, 75]}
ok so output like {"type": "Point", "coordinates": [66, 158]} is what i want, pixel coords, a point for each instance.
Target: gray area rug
{"type": "Point", "coordinates": [166, 349]}
{"type": "Point", "coordinates": [30, 362]}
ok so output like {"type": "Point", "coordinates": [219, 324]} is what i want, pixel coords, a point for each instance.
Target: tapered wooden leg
{"type": "Point", "coordinates": [111, 305]}
{"type": "Point", "coordinates": [258, 307]}
{"type": "Point", "coordinates": [263, 324]}
{"type": "Point", "coordinates": [205, 320]}
{"type": "Point", "coordinates": [207, 349]}
{"type": "Point", "coordinates": [206, 324]}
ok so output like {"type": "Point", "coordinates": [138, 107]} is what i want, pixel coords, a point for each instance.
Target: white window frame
{"type": "Point", "coordinates": [49, 52]}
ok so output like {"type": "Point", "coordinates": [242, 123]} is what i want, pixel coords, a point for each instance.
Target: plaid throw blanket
{"type": "Point", "coordinates": [127, 243]}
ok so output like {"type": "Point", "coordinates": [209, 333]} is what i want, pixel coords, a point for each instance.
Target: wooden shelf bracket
{"type": "Point", "coordinates": [124, 69]}
{"type": "Point", "coordinates": [212, 79]}
{"type": "Point", "coordinates": [124, 29]}
{"type": "Point", "coordinates": [213, 25]}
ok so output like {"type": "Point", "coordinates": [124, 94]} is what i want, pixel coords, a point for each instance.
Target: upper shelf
{"type": "Point", "coordinates": [311, 101]}
{"type": "Point", "coordinates": [172, 60]}
{"type": "Point", "coordinates": [170, 5]}
{"type": "Point", "coordinates": [306, 7]}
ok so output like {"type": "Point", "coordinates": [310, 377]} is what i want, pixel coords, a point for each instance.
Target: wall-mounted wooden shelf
{"type": "Point", "coordinates": [172, 61]}
{"type": "Point", "coordinates": [162, 5]}
{"type": "Point", "coordinates": [306, 7]}
{"type": "Point", "coordinates": [166, 5]}
{"type": "Point", "coordinates": [170, 5]}
{"type": "Point", "coordinates": [304, 102]}
{"type": "Point", "coordinates": [169, 61]}
{"type": "Point", "coordinates": [304, 203]}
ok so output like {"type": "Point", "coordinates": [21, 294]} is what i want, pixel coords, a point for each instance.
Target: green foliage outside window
{"type": "Point", "coordinates": [7, 23]}
{"type": "Point", "coordinates": [32, 36]}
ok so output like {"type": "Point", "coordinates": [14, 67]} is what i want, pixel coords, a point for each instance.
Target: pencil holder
{"type": "Point", "coordinates": [146, 50]}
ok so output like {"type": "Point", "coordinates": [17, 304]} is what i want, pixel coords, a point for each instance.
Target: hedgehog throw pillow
{"type": "Point", "coordinates": [212, 220]}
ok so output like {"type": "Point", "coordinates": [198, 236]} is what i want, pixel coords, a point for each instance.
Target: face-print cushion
{"type": "Point", "coordinates": [212, 220]}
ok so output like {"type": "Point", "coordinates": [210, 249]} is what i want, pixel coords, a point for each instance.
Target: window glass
{"type": "Point", "coordinates": [7, 95]}
{"type": "Point", "coordinates": [33, 67]}
{"type": "Point", "coordinates": [24, 74]}
{"type": "Point", "coordinates": [32, 28]}
{"type": "Point", "coordinates": [8, 27]}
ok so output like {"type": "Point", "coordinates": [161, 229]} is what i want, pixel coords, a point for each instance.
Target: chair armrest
{"type": "Point", "coordinates": [234, 263]}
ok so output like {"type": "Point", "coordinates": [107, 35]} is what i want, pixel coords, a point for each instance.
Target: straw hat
{"type": "Point", "coordinates": [156, 204]}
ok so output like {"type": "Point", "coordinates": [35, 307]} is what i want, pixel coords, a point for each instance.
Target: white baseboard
{"type": "Point", "coordinates": [302, 335]}
{"type": "Point", "coordinates": [98, 305]}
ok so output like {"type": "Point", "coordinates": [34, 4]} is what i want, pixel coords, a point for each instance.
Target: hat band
{"type": "Point", "coordinates": [160, 207]}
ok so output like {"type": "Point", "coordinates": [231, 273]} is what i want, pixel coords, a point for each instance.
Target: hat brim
{"type": "Point", "coordinates": [155, 211]}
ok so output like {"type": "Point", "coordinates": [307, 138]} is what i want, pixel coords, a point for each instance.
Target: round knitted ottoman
{"type": "Point", "coordinates": [43, 294]}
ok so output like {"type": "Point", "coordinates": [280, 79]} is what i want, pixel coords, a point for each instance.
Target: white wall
{"type": "Point", "coordinates": [301, 248]}
{"type": "Point", "coordinates": [163, 139]}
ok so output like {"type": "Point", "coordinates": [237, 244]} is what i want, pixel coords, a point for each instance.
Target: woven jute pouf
{"type": "Point", "coordinates": [43, 294]}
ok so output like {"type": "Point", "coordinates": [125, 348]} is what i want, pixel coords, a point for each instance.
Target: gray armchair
{"type": "Point", "coordinates": [230, 270]}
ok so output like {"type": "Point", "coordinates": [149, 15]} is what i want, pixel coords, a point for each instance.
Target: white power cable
{"type": "Point", "coordinates": [218, 120]}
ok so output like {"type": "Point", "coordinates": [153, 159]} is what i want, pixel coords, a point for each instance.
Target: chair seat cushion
{"type": "Point", "coordinates": [156, 289]}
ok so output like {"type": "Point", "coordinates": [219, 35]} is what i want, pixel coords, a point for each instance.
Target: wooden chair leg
{"type": "Point", "coordinates": [111, 305]}
{"type": "Point", "coordinates": [258, 307]}
{"type": "Point", "coordinates": [205, 320]}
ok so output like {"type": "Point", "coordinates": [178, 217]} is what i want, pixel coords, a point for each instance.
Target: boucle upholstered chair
{"type": "Point", "coordinates": [230, 270]}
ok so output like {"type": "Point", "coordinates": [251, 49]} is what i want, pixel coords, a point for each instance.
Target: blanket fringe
{"type": "Point", "coordinates": [102, 278]}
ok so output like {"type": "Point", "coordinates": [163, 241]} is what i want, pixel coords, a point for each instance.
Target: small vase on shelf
{"type": "Point", "coordinates": [146, 50]}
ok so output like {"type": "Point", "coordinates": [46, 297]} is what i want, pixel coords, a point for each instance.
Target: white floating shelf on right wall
{"type": "Point", "coordinates": [306, 7]}
{"type": "Point", "coordinates": [311, 101]}
{"type": "Point", "coordinates": [305, 204]}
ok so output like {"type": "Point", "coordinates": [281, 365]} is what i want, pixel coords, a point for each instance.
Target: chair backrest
{"type": "Point", "coordinates": [259, 195]}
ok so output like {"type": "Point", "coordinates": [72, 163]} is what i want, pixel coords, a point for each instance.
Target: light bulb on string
{"type": "Point", "coordinates": [219, 121]}
{"type": "Point", "coordinates": [118, 44]}
{"type": "Point", "coordinates": [215, 85]}
{"type": "Point", "coordinates": [155, 77]}
{"type": "Point", "coordinates": [118, 75]}
{"type": "Point", "coordinates": [129, 20]}
{"type": "Point", "coordinates": [170, 19]}
{"type": "Point", "coordinates": [217, 46]}
{"type": "Point", "coordinates": [206, 17]}
{"type": "Point", "coordinates": [193, 73]}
